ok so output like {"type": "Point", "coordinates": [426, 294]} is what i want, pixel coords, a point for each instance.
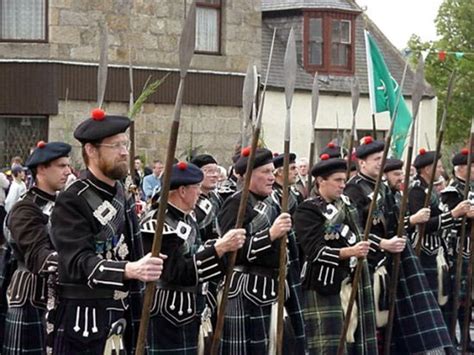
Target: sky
{"type": "Point", "coordinates": [399, 19]}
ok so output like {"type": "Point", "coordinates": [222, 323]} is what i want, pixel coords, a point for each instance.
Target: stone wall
{"type": "Point", "coordinates": [215, 130]}
{"type": "Point", "coordinates": [152, 27]}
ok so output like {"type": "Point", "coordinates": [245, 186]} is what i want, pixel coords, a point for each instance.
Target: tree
{"type": "Point", "coordinates": [455, 26]}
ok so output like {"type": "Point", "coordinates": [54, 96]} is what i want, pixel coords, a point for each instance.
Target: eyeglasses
{"type": "Point", "coordinates": [116, 145]}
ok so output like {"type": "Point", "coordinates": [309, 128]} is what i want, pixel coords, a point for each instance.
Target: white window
{"type": "Point", "coordinates": [23, 20]}
{"type": "Point", "coordinates": [208, 17]}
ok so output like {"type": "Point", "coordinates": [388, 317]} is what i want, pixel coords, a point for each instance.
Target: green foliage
{"type": "Point", "coordinates": [455, 27]}
{"type": "Point", "coordinates": [148, 90]}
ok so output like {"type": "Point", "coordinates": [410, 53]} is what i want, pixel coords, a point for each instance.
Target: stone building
{"type": "Point", "coordinates": [330, 40]}
{"type": "Point", "coordinates": [49, 50]}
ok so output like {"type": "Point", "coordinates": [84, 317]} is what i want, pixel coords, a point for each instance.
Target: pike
{"type": "Point", "coordinates": [467, 316]}
{"type": "Point", "coordinates": [242, 206]}
{"type": "Point", "coordinates": [289, 66]}
{"type": "Point", "coordinates": [422, 227]}
{"type": "Point", "coordinates": [419, 87]}
{"type": "Point", "coordinates": [186, 51]}
{"type": "Point", "coordinates": [355, 93]}
{"type": "Point", "coordinates": [314, 114]}
{"type": "Point", "coordinates": [460, 247]}
{"type": "Point", "coordinates": [368, 224]}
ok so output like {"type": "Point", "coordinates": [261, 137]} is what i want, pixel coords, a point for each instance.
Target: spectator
{"type": "Point", "coordinates": [152, 183]}
{"type": "Point", "coordinates": [4, 183]}
{"type": "Point", "coordinates": [17, 188]}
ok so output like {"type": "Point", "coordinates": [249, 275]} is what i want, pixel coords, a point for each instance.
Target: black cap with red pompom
{"type": "Point", "coordinates": [424, 158]}
{"type": "Point", "coordinates": [183, 174]}
{"type": "Point", "coordinates": [333, 150]}
{"type": "Point", "coordinates": [461, 157]}
{"type": "Point", "coordinates": [47, 152]}
{"type": "Point", "coordinates": [328, 166]}
{"type": "Point", "coordinates": [279, 159]}
{"type": "Point", "coordinates": [263, 156]}
{"type": "Point", "coordinates": [99, 126]}
{"type": "Point", "coordinates": [369, 146]}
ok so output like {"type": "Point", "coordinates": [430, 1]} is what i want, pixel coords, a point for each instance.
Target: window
{"type": "Point", "coordinates": [23, 20]}
{"type": "Point", "coordinates": [208, 23]}
{"type": "Point", "coordinates": [18, 134]}
{"type": "Point", "coordinates": [329, 42]}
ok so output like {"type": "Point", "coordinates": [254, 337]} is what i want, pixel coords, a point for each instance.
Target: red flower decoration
{"type": "Point", "coordinates": [465, 151]}
{"type": "Point", "coordinates": [331, 145]}
{"type": "Point", "coordinates": [367, 140]}
{"type": "Point", "coordinates": [324, 156]}
{"type": "Point", "coordinates": [182, 165]}
{"type": "Point", "coordinates": [422, 151]}
{"type": "Point", "coordinates": [442, 55]}
{"type": "Point", "coordinates": [41, 144]}
{"type": "Point", "coordinates": [98, 114]}
{"type": "Point", "coordinates": [246, 152]}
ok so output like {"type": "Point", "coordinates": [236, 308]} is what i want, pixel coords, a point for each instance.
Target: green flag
{"type": "Point", "coordinates": [383, 95]}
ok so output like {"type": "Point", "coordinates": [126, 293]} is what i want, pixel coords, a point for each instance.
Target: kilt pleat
{"type": "Point", "coordinates": [166, 338]}
{"type": "Point", "coordinates": [419, 324]}
{"type": "Point", "coordinates": [24, 331]}
{"type": "Point", "coordinates": [324, 321]}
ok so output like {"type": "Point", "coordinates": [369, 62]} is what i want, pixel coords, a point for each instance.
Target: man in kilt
{"type": "Point", "coordinates": [254, 284]}
{"type": "Point", "coordinates": [207, 208]}
{"type": "Point", "coordinates": [295, 196]}
{"type": "Point", "coordinates": [451, 197]}
{"type": "Point", "coordinates": [418, 324]}
{"type": "Point", "coordinates": [100, 253]}
{"type": "Point", "coordinates": [179, 307]}
{"type": "Point", "coordinates": [433, 247]}
{"type": "Point", "coordinates": [28, 233]}
{"type": "Point", "coordinates": [327, 228]}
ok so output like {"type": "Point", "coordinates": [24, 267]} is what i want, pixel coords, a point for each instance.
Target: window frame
{"type": "Point", "coordinates": [46, 30]}
{"type": "Point", "coordinates": [327, 16]}
{"type": "Point", "coordinates": [219, 25]}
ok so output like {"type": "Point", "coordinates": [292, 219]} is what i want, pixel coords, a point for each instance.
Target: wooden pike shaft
{"type": "Point", "coordinates": [460, 249]}
{"type": "Point", "coordinates": [233, 256]}
{"type": "Point", "coordinates": [160, 218]}
{"type": "Point", "coordinates": [368, 224]}
{"type": "Point", "coordinates": [422, 227]}
{"type": "Point", "coordinates": [283, 261]}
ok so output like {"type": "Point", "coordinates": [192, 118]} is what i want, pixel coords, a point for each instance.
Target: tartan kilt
{"type": "Point", "coordinates": [166, 338]}
{"type": "Point", "coordinates": [325, 319]}
{"type": "Point", "coordinates": [419, 326]}
{"type": "Point", "coordinates": [246, 327]}
{"type": "Point", "coordinates": [24, 331]}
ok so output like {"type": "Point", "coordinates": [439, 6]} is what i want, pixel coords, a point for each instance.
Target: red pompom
{"type": "Point", "coordinates": [98, 114]}
{"type": "Point", "coordinates": [422, 151]}
{"type": "Point", "coordinates": [182, 165]}
{"type": "Point", "coordinates": [331, 145]}
{"type": "Point", "coordinates": [367, 140]}
{"type": "Point", "coordinates": [246, 152]}
{"type": "Point", "coordinates": [275, 154]}
{"type": "Point", "coordinates": [324, 156]}
{"type": "Point", "coordinates": [41, 144]}
{"type": "Point", "coordinates": [465, 151]}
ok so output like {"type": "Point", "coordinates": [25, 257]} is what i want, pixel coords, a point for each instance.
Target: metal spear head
{"type": "Point", "coordinates": [314, 100]}
{"type": "Point", "coordinates": [289, 67]}
{"type": "Point", "coordinates": [103, 64]}
{"type": "Point", "coordinates": [187, 42]}
{"type": "Point", "coordinates": [418, 88]}
{"type": "Point", "coordinates": [247, 99]}
{"type": "Point", "coordinates": [355, 93]}
{"type": "Point", "coordinates": [130, 79]}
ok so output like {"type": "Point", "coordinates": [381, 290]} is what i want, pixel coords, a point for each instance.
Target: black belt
{"type": "Point", "coordinates": [257, 270]}
{"type": "Point", "coordinates": [200, 289]}
{"type": "Point", "coordinates": [73, 291]}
